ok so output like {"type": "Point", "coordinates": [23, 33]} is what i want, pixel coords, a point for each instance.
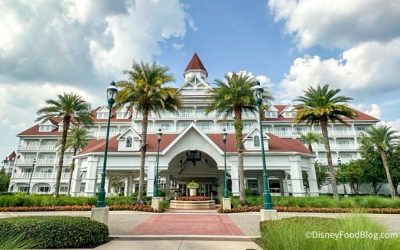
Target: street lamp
{"type": "Point", "coordinates": [111, 95]}
{"type": "Point", "coordinates": [30, 177]}
{"type": "Point", "coordinates": [224, 136]}
{"type": "Point", "coordinates": [258, 96]}
{"type": "Point", "coordinates": [159, 134]}
{"type": "Point", "coordinates": [343, 182]}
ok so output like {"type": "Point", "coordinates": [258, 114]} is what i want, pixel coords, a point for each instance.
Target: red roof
{"type": "Point", "coordinates": [360, 116]}
{"type": "Point", "coordinates": [35, 131]}
{"type": "Point", "coordinates": [276, 144]}
{"type": "Point", "coordinates": [195, 63]}
{"type": "Point", "coordinates": [12, 156]}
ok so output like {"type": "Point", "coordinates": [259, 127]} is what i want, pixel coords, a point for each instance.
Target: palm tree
{"type": "Point", "coordinates": [145, 92]}
{"type": "Point", "coordinates": [382, 137]}
{"type": "Point", "coordinates": [309, 138]}
{"type": "Point", "coordinates": [322, 106]}
{"type": "Point", "coordinates": [68, 107]}
{"type": "Point", "coordinates": [77, 139]}
{"type": "Point", "coordinates": [233, 96]}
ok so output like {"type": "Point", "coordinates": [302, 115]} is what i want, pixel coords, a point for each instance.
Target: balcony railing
{"type": "Point", "coordinates": [38, 147]}
{"type": "Point", "coordinates": [45, 161]}
{"type": "Point", "coordinates": [64, 175]}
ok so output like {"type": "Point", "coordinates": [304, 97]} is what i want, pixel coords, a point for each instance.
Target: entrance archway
{"type": "Point", "coordinates": [193, 165]}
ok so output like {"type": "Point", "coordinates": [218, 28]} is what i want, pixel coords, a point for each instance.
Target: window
{"type": "Point", "coordinates": [256, 141]}
{"type": "Point", "coordinates": [128, 142]}
{"type": "Point", "coordinates": [43, 189]}
{"type": "Point", "coordinates": [82, 189]}
{"type": "Point", "coordinates": [102, 115]}
{"type": "Point", "coordinates": [23, 189]}
{"type": "Point", "coordinates": [45, 128]}
{"type": "Point", "coordinates": [271, 114]}
{"type": "Point", "coordinates": [63, 189]}
{"type": "Point", "coordinates": [252, 183]}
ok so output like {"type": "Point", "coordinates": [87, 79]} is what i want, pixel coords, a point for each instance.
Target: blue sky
{"type": "Point", "coordinates": [50, 47]}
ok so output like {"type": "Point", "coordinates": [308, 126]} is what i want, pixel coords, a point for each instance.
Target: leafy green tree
{"type": "Point", "coordinates": [322, 106]}
{"type": "Point", "coordinates": [381, 138]}
{"type": "Point", "coordinates": [373, 170]}
{"type": "Point", "coordinates": [4, 180]}
{"type": "Point", "coordinates": [320, 172]}
{"type": "Point", "coordinates": [145, 90]}
{"type": "Point", "coordinates": [77, 139]}
{"type": "Point", "coordinates": [352, 173]}
{"type": "Point", "coordinates": [234, 96]}
{"type": "Point", "coordinates": [69, 107]}
{"type": "Point", "coordinates": [394, 163]}
{"type": "Point", "coordinates": [309, 138]}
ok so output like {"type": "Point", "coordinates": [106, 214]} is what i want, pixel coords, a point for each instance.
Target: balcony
{"type": "Point", "coordinates": [45, 161]}
{"type": "Point", "coordinates": [24, 161]}
{"type": "Point", "coordinates": [48, 147]}
{"type": "Point", "coordinates": [282, 133]}
{"type": "Point", "coordinates": [344, 133]}
{"type": "Point", "coordinates": [64, 175]}
{"type": "Point", "coordinates": [28, 147]}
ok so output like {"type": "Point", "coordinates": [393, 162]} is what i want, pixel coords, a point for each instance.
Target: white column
{"type": "Point", "coordinates": [129, 185]}
{"type": "Point", "coordinates": [151, 164]}
{"type": "Point", "coordinates": [296, 176]}
{"type": "Point", "coordinates": [126, 188]}
{"type": "Point", "coordinates": [312, 180]}
{"type": "Point", "coordinates": [76, 179]}
{"type": "Point", "coordinates": [285, 186]}
{"type": "Point", "coordinates": [167, 186]}
{"type": "Point", "coordinates": [91, 176]}
{"type": "Point", "coordinates": [235, 177]}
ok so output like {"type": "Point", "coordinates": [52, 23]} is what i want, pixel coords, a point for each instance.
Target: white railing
{"type": "Point", "coordinates": [344, 133]}
{"type": "Point", "coordinates": [29, 147]}
{"type": "Point", "coordinates": [284, 133]}
{"type": "Point", "coordinates": [45, 161]}
{"type": "Point", "coordinates": [48, 147]}
{"type": "Point", "coordinates": [65, 175]}
{"type": "Point", "coordinates": [67, 161]}
{"type": "Point", "coordinates": [25, 161]}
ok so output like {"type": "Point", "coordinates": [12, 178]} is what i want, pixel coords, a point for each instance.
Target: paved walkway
{"type": "Point", "coordinates": [187, 224]}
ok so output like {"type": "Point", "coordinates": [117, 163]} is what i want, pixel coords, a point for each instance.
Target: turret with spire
{"type": "Point", "coordinates": [195, 68]}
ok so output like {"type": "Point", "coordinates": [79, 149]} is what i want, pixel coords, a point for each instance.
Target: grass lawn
{"type": "Point", "coordinates": [312, 233]}
{"type": "Point", "coordinates": [325, 202]}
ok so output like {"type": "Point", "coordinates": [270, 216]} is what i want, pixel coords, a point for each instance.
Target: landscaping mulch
{"type": "Point", "coordinates": [314, 210]}
{"type": "Point", "coordinates": [144, 208]}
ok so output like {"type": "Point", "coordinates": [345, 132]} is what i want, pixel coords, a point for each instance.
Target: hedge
{"type": "Point", "coordinates": [56, 231]}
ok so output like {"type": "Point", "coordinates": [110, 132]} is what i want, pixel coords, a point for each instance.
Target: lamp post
{"type": "Point", "coordinates": [258, 95]}
{"type": "Point", "coordinates": [159, 134]}
{"type": "Point", "coordinates": [224, 136]}
{"type": "Point", "coordinates": [343, 182]}
{"type": "Point", "coordinates": [30, 177]}
{"type": "Point", "coordinates": [111, 95]}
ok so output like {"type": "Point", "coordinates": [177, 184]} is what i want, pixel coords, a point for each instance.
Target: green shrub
{"type": "Point", "coordinates": [56, 231]}
{"type": "Point", "coordinates": [290, 234]}
{"type": "Point", "coordinates": [164, 204]}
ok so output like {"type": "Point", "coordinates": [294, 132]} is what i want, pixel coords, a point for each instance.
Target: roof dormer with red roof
{"type": "Point", "coordinates": [195, 75]}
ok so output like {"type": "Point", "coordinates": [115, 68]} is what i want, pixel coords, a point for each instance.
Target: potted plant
{"type": "Point", "coordinates": [193, 186]}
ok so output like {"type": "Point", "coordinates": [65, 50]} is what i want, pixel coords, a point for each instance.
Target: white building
{"type": "Point", "coordinates": [191, 149]}
{"type": "Point", "coordinates": [8, 162]}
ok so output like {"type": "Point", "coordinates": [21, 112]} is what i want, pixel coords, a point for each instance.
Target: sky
{"type": "Point", "coordinates": [49, 47]}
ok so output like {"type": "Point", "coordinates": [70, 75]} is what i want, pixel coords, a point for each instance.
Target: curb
{"type": "Point", "coordinates": [186, 237]}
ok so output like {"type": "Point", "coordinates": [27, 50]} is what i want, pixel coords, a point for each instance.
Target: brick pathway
{"type": "Point", "coordinates": [187, 224]}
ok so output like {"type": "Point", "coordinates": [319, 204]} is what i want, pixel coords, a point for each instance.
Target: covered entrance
{"type": "Point", "coordinates": [193, 165]}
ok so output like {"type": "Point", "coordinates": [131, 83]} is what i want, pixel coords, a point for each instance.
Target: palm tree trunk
{"type": "Point", "coordinates": [143, 154]}
{"type": "Point", "coordinates": [324, 129]}
{"type": "Point", "coordinates": [72, 171]}
{"type": "Point", "coordinates": [240, 148]}
{"type": "Point", "coordinates": [388, 176]}
{"type": "Point", "coordinates": [66, 122]}
{"type": "Point", "coordinates": [310, 148]}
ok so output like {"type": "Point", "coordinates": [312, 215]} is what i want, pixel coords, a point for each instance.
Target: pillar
{"type": "Point", "coordinates": [285, 186]}
{"type": "Point", "coordinates": [235, 177]}
{"type": "Point", "coordinates": [109, 184]}
{"type": "Point", "coordinates": [296, 176]}
{"type": "Point", "coordinates": [91, 176]}
{"type": "Point", "coordinates": [167, 186]}
{"type": "Point", "coordinates": [312, 180]}
{"type": "Point", "coordinates": [76, 179]}
{"type": "Point", "coordinates": [151, 165]}
{"type": "Point", "coordinates": [126, 188]}
{"type": "Point", "coordinates": [129, 186]}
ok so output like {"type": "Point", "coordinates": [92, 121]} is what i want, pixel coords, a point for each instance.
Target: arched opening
{"type": "Point", "coordinates": [188, 166]}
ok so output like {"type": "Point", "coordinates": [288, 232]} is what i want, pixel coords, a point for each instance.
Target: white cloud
{"type": "Point", "coordinates": [359, 72]}
{"type": "Point", "coordinates": [373, 110]}
{"type": "Point", "coordinates": [178, 46]}
{"type": "Point", "coordinates": [338, 23]}
{"type": "Point", "coordinates": [80, 41]}
{"type": "Point", "coordinates": [19, 103]}
{"type": "Point", "coordinates": [394, 124]}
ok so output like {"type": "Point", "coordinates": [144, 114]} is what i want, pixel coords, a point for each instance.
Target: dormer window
{"type": "Point", "coordinates": [256, 141]}
{"type": "Point", "coordinates": [122, 115]}
{"type": "Point", "coordinates": [128, 142]}
{"type": "Point", "coordinates": [288, 114]}
{"type": "Point", "coordinates": [102, 115]}
{"type": "Point", "coordinates": [45, 128]}
{"type": "Point", "coordinates": [271, 114]}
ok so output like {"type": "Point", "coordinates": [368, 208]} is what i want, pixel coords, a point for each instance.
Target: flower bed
{"type": "Point", "coordinates": [314, 210]}
{"type": "Point", "coordinates": [144, 208]}
{"type": "Point", "coordinates": [192, 198]}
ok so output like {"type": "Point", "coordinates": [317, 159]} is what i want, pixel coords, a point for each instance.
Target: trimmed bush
{"type": "Point", "coordinates": [297, 233]}
{"type": "Point", "coordinates": [56, 231]}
